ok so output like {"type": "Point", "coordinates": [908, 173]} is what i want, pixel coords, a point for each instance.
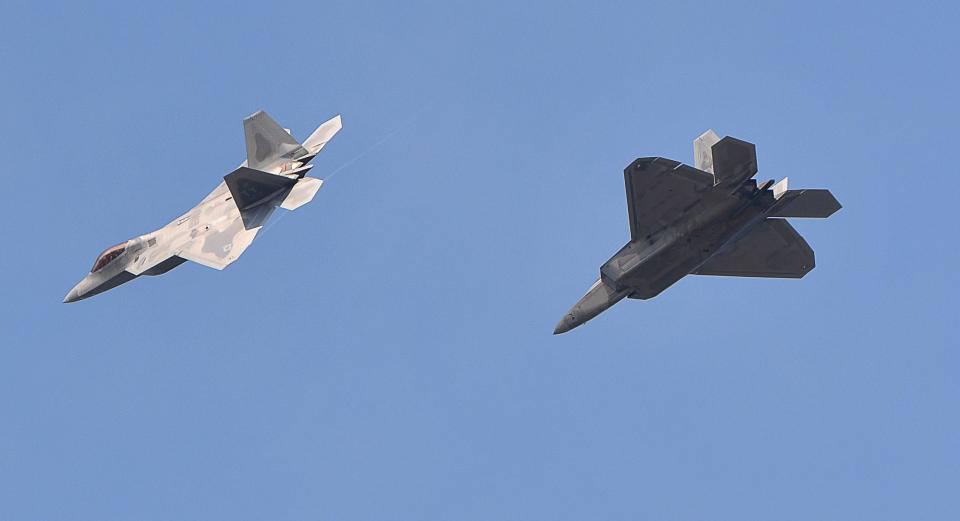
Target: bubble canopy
{"type": "Point", "coordinates": [108, 256]}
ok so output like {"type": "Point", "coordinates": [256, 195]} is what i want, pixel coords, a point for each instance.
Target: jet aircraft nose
{"type": "Point", "coordinates": [568, 322]}
{"type": "Point", "coordinates": [75, 294]}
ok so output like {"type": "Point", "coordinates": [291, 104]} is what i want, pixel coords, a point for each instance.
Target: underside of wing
{"type": "Point", "coordinates": [217, 249]}
{"type": "Point", "coordinates": [661, 191]}
{"type": "Point", "coordinates": [772, 249]}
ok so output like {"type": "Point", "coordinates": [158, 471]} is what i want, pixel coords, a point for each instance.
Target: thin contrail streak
{"type": "Point", "coordinates": [372, 147]}
{"type": "Point", "coordinates": [358, 157]}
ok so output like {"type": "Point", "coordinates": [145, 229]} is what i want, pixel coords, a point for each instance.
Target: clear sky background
{"type": "Point", "coordinates": [386, 352]}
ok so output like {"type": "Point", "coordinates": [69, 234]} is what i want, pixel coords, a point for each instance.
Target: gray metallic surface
{"type": "Point", "coordinates": [219, 229]}
{"type": "Point", "coordinates": [818, 204]}
{"type": "Point", "coordinates": [772, 248]}
{"type": "Point", "coordinates": [165, 266]}
{"type": "Point", "coordinates": [688, 221]}
{"type": "Point", "coordinates": [734, 161]}
{"type": "Point", "coordinates": [598, 298]}
{"type": "Point", "coordinates": [251, 187]}
{"type": "Point", "coordinates": [268, 144]}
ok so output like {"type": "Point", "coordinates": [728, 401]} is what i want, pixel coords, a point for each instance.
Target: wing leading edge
{"type": "Point", "coordinates": [659, 192]}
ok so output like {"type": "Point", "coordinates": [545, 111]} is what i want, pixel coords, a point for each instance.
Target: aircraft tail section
{"type": "Point", "coordinates": [269, 145]}
{"type": "Point", "coordinates": [772, 249]}
{"type": "Point", "coordinates": [302, 193]}
{"type": "Point", "coordinates": [734, 162]}
{"type": "Point", "coordinates": [322, 135]}
{"type": "Point", "coordinates": [702, 150]}
{"type": "Point", "coordinates": [731, 161]}
{"type": "Point", "coordinates": [250, 187]}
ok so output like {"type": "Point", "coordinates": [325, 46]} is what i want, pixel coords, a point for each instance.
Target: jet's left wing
{"type": "Point", "coordinates": [660, 191]}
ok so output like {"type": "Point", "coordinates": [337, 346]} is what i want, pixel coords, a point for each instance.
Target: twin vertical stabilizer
{"type": "Point", "coordinates": [702, 153]}
{"type": "Point", "coordinates": [276, 164]}
{"type": "Point", "coordinates": [270, 147]}
{"type": "Point", "coordinates": [730, 160]}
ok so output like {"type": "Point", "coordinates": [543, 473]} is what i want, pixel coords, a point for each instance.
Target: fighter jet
{"type": "Point", "coordinates": [219, 229]}
{"type": "Point", "coordinates": [710, 220]}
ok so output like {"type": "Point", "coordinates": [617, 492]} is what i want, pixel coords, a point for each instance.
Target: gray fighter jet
{"type": "Point", "coordinates": [710, 220]}
{"type": "Point", "coordinates": [216, 231]}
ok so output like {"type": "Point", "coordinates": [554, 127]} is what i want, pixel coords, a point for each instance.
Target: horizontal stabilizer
{"type": "Point", "coordinates": [302, 193]}
{"type": "Point", "coordinates": [251, 187]}
{"type": "Point", "coordinates": [772, 249]}
{"type": "Point", "coordinates": [805, 203]}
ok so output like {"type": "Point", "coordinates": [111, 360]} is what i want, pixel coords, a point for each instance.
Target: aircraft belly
{"type": "Point", "coordinates": [685, 253]}
{"type": "Point", "coordinates": [661, 271]}
{"type": "Point", "coordinates": [649, 269]}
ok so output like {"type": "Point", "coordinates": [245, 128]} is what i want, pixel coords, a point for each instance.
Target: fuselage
{"type": "Point", "coordinates": [644, 268]}
{"type": "Point", "coordinates": [221, 227]}
{"type": "Point", "coordinates": [681, 249]}
{"type": "Point", "coordinates": [155, 253]}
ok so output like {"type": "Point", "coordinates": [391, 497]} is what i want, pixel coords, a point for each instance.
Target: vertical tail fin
{"type": "Point", "coordinates": [702, 150]}
{"type": "Point", "coordinates": [324, 133]}
{"type": "Point", "coordinates": [268, 144]}
{"type": "Point", "coordinates": [780, 188]}
{"type": "Point", "coordinates": [734, 162]}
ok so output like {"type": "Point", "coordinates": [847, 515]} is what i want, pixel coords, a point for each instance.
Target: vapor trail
{"type": "Point", "coordinates": [374, 146]}
{"type": "Point", "coordinates": [273, 221]}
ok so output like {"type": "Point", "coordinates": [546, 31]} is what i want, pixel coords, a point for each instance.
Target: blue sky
{"type": "Point", "coordinates": [386, 352]}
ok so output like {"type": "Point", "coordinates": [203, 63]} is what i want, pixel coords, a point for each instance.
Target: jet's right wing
{"type": "Point", "coordinates": [660, 191]}
{"type": "Point", "coordinates": [772, 249]}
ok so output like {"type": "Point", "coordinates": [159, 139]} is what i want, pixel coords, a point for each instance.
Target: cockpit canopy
{"type": "Point", "coordinates": [108, 256]}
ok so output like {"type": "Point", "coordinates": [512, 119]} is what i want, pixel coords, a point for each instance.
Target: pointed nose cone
{"type": "Point", "coordinates": [566, 324]}
{"type": "Point", "coordinates": [75, 294]}
{"type": "Point", "coordinates": [598, 299]}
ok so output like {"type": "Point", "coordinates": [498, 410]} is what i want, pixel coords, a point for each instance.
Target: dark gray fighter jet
{"type": "Point", "coordinates": [710, 220]}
